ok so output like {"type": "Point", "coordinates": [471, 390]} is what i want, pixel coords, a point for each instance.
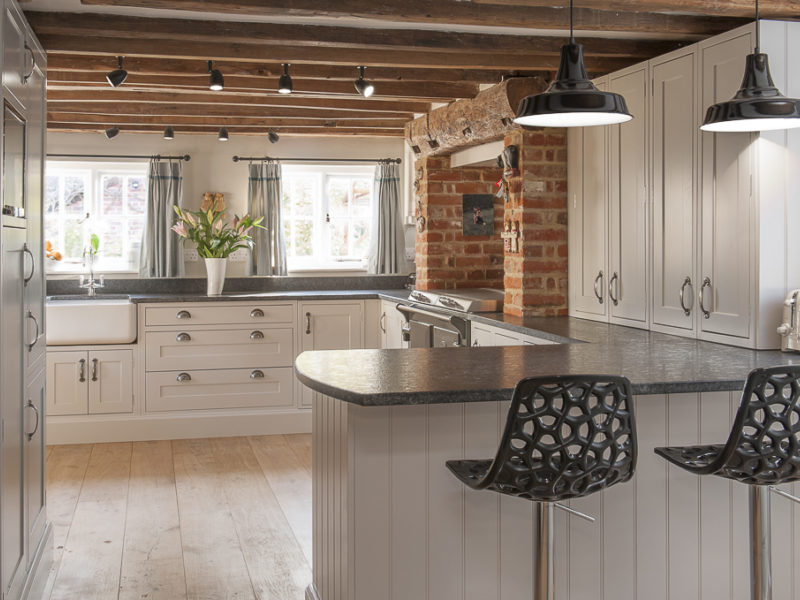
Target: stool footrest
{"type": "Point", "coordinates": [780, 492]}
{"type": "Point", "coordinates": [572, 511]}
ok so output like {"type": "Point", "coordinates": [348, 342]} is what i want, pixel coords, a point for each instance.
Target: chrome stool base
{"type": "Point", "coordinates": [760, 555]}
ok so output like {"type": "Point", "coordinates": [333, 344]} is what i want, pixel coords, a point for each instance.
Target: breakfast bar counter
{"type": "Point", "coordinates": [391, 522]}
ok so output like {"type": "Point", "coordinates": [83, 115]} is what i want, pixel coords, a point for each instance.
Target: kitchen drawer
{"type": "Point", "coordinates": [223, 313]}
{"type": "Point", "coordinates": [219, 389]}
{"type": "Point", "coordinates": [219, 349]}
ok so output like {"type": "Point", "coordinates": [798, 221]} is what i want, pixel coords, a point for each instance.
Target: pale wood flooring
{"type": "Point", "coordinates": [215, 519]}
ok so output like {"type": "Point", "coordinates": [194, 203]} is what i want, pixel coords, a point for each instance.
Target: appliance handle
{"type": "Point", "coordinates": [412, 309]}
{"type": "Point", "coordinates": [793, 314]}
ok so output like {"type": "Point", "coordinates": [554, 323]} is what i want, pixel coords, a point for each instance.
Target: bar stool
{"type": "Point", "coordinates": [565, 437]}
{"type": "Point", "coordinates": [763, 450]}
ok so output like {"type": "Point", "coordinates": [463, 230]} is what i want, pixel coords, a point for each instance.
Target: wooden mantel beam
{"type": "Point", "coordinates": [471, 121]}
{"type": "Point", "coordinates": [539, 14]}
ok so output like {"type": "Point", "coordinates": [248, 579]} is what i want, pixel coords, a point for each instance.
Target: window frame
{"type": "Point", "coordinates": [94, 171]}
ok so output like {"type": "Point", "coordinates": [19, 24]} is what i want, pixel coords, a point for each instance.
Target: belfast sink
{"type": "Point", "coordinates": [98, 320]}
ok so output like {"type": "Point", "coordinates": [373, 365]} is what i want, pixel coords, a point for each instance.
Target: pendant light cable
{"type": "Point", "coordinates": [571, 34]}
{"type": "Point", "coordinates": [758, 31]}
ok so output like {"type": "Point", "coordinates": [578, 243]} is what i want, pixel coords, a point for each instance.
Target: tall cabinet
{"type": "Point", "coordinates": [24, 533]}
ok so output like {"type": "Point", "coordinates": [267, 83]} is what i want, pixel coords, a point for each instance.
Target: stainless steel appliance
{"type": "Point", "coordinates": [789, 330]}
{"type": "Point", "coordinates": [437, 319]}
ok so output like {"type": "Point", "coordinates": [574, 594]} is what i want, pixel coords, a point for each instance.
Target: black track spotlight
{"type": "Point", "coordinates": [285, 82]}
{"type": "Point", "coordinates": [223, 135]}
{"type": "Point", "coordinates": [273, 137]}
{"type": "Point", "coordinates": [169, 133]}
{"type": "Point", "coordinates": [118, 76]}
{"type": "Point", "coordinates": [112, 132]}
{"type": "Point", "coordinates": [216, 81]}
{"type": "Point", "coordinates": [364, 87]}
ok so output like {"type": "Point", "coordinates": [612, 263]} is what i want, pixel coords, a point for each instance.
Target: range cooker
{"type": "Point", "coordinates": [437, 318]}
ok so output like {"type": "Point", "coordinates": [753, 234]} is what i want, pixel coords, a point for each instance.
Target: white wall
{"type": "Point", "coordinates": [211, 168]}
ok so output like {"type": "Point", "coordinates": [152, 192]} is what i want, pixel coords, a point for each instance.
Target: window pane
{"type": "Point", "coordinates": [112, 194]}
{"type": "Point", "coordinates": [111, 239]}
{"type": "Point", "coordinates": [73, 239]}
{"type": "Point", "coordinates": [339, 236]}
{"type": "Point", "coordinates": [360, 239]}
{"type": "Point", "coordinates": [74, 189]}
{"type": "Point", "coordinates": [302, 190]}
{"type": "Point", "coordinates": [51, 194]}
{"type": "Point", "coordinates": [137, 195]}
{"type": "Point", "coordinates": [362, 193]}
{"type": "Point", "coordinates": [135, 229]}
{"type": "Point", "coordinates": [304, 235]}
{"type": "Point", "coordinates": [51, 233]}
{"type": "Point", "coordinates": [287, 236]}
{"type": "Point", "coordinates": [337, 196]}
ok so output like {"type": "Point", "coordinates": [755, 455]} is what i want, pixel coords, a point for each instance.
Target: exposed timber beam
{"type": "Point", "coordinates": [333, 131]}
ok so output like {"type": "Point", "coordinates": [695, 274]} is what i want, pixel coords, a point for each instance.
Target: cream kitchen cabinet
{"type": "Point", "coordinates": [488, 335]}
{"type": "Point", "coordinates": [327, 325]}
{"type": "Point", "coordinates": [90, 382]}
{"type": "Point", "coordinates": [391, 326]}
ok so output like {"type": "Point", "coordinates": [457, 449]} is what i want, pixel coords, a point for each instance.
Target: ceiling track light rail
{"type": "Point", "coordinates": [325, 160]}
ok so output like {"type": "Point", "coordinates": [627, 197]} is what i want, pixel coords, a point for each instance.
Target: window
{"type": "Point", "coordinates": [107, 199]}
{"type": "Point", "coordinates": [327, 214]}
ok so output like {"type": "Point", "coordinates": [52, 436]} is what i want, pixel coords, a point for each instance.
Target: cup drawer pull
{"type": "Point", "coordinates": [183, 377]}
{"type": "Point", "coordinates": [257, 374]}
{"type": "Point", "coordinates": [256, 313]}
{"type": "Point", "coordinates": [257, 335]}
{"type": "Point", "coordinates": [184, 314]}
{"type": "Point", "coordinates": [183, 337]}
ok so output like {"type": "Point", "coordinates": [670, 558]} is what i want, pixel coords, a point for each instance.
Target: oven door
{"type": "Point", "coordinates": [420, 334]}
{"type": "Point", "coordinates": [446, 337]}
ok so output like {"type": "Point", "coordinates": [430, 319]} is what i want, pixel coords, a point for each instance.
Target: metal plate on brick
{"type": "Point", "coordinates": [218, 349]}
{"type": "Point", "coordinates": [219, 389]}
{"type": "Point", "coordinates": [190, 315]}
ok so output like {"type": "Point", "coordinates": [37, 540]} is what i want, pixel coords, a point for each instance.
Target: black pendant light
{"type": "Point", "coordinates": [285, 82]}
{"type": "Point", "coordinates": [223, 135]}
{"type": "Point", "coordinates": [273, 137]}
{"type": "Point", "coordinates": [572, 100]}
{"type": "Point", "coordinates": [169, 133]}
{"type": "Point", "coordinates": [364, 87]}
{"type": "Point", "coordinates": [215, 79]}
{"type": "Point", "coordinates": [758, 105]}
{"type": "Point", "coordinates": [118, 76]}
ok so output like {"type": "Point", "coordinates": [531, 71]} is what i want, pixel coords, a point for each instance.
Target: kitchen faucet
{"type": "Point", "coordinates": [92, 284]}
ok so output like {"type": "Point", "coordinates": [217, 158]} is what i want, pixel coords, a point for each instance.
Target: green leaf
{"type": "Point", "coordinates": [95, 241]}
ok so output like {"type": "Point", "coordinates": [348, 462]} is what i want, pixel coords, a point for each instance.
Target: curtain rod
{"type": "Point", "coordinates": [185, 157]}
{"type": "Point", "coordinates": [350, 160]}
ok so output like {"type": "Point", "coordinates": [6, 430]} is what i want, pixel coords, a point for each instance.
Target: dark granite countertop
{"type": "Point", "coordinates": [655, 363]}
{"type": "Point", "coordinates": [157, 298]}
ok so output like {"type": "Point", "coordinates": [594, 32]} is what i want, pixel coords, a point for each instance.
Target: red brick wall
{"type": "Point", "coordinates": [536, 277]}
{"type": "Point", "coordinates": [445, 258]}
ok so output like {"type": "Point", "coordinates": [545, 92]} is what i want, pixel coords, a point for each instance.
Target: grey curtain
{"type": "Point", "coordinates": [264, 200]}
{"type": "Point", "coordinates": [387, 246]}
{"type": "Point", "coordinates": [161, 253]}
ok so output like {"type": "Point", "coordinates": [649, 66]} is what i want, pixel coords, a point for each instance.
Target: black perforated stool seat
{"type": "Point", "coordinates": [763, 450]}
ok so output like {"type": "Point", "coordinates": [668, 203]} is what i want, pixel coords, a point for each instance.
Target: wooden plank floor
{"type": "Point", "coordinates": [206, 519]}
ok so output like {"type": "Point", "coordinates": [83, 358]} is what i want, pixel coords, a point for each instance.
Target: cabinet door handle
{"type": "Point", "coordinates": [613, 284]}
{"type": "Point", "coordinates": [82, 371]}
{"type": "Point", "coordinates": [706, 283]}
{"type": "Point", "coordinates": [184, 314]}
{"type": "Point", "coordinates": [27, 75]}
{"type": "Point", "coordinates": [599, 294]}
{"type": "Point", "coordinates": [257, 374]}
{"type": "Point", "coordinates": [256, 313]}
{"type": "Point", "coordinates": [183, 337]}
{"type": "Point", "coordinates": [383, 322]}
{"type": "Point", "coordinates": [308, 322]}
{"type": "Point", "coordinates": [31, 344]}
{"type": "Point", "coordinates": [686, 310]}
{"type": "Point", "coordinates": [30, 434]}
{"type": "Point", "coordinates": [27, 251]}
{"type": "Point", "coordinates": [182, 377]}
{"type": "Point", "coordinates": [94, 369]}
{"type": "Point", "coordinates": [475, 343]}
{"type": "Point", "coordinates": [257, 335]}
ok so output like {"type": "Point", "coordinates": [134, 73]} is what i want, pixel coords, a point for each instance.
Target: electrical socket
{"type": "Point", "coordinates": [409, 254]}
{"type": "Point", "coordinates": [191, 256]}
{"type": "Point", "coordinates": [238, 256]}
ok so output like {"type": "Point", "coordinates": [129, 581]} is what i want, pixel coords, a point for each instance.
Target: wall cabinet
{"type": "Point", "coordinates": [391, 326]}
{"type": "Point", "coordinates": [90, 382]}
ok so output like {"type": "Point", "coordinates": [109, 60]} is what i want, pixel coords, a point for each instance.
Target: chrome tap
{"type": "Point", "coordinates": [92, 284]}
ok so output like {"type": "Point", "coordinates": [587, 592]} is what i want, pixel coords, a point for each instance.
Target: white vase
{"type": "Point", "coordinates": [215, 271]}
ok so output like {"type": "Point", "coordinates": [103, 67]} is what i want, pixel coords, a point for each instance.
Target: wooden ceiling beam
{"type": "Point", "coordinates": [375, 59]}
{"type": "Point", "coordinates": [119, 27]}
{"type": "Point", "coordinates": [97, 119]}
{"type": "Point", "coordinates": [541, 14]}
{"type": "Point", "coordinates": [419, 90]}
{"type": "Point", "coordinates": [194, 67]}
{"type": "Point", "coordinates": [115, 108]}
{"type": "Point", "coordinates": [288, 131]}
{"type": "Point", "coordinates": [356, 104]}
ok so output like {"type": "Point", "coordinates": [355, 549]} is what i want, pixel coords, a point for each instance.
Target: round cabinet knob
{"type": "Point", "coordinates": [183, 377]}
{"type": "Point", "coordinates": [257, 374]}
{"type": "Point", "coordinates": [784, 329]}
{"type": "Point", "coordinates": [183, 337]}
{"type": "Point", "coordinates": [256, 313]}
{"type": "Point", "coordinates": [257, 335]}
{"type": "Point", "coordinates": [184, 314]}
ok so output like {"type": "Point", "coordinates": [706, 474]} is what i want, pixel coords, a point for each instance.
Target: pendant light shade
{"type": "Point", "coordinates": [118, 76]}
{"type": "Point", "coordinates": [169, 133]}
{"type": "Point", "coordinates": [758, 105]}
{"type": "Point", "coordinates": [364, 87]}
{"type": "Point", "coordinates": [111, 132]}
{"type": "Point", "coordinates": [572, 100]}
{"type": "Point", "coordinates": [285, 82]}
{"type": "Point", "coordinates": [223, 135]}
{"type": "Point", "coordinates": [216, 81]}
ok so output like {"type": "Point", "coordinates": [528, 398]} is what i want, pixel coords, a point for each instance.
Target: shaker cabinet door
{"type": "Point", "coordinates": [68, 387]}
{"type": "Point", "coordinates": [110, 374]}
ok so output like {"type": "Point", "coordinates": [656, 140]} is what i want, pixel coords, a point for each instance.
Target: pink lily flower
{"type": "Point", "coordinates": [180, 229]}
